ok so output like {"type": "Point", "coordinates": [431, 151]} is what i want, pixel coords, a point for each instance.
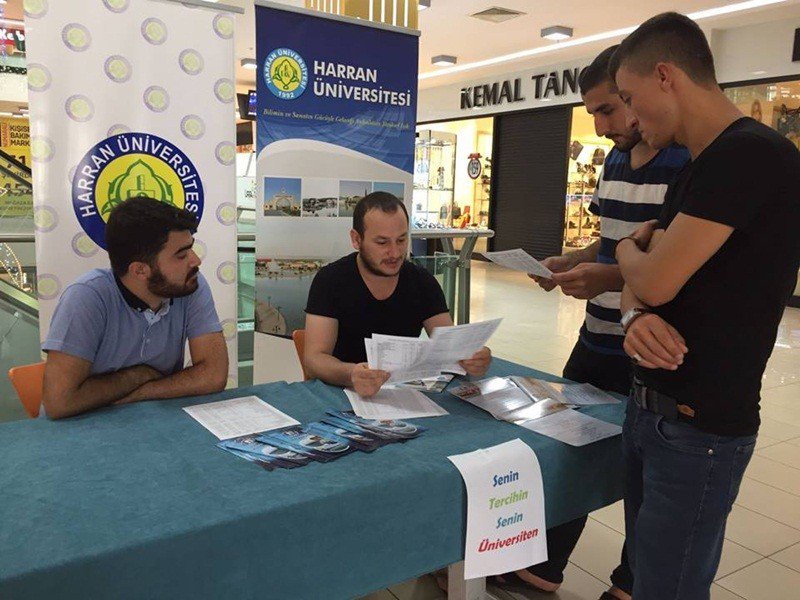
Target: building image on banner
{"type": "Point", "coordinates": [136, 101]}
{"type": "Point", "coordinates": [334, 123]}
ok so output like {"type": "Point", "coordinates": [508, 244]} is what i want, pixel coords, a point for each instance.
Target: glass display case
{"type": "Point", "coordinates": [434, 179]}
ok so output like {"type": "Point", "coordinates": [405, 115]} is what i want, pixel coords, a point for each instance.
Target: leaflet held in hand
{"type": "Point", "coordinates": [519, 260]}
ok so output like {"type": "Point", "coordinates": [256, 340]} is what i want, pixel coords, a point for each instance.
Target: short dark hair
{"type": "Point", "coordinates": [384, 201]}
{"type": "Point", "coordinates": [138, 228]}
{"type": "Point", "coordinates": [597, 72]}
{"type": "Point", "coordinates": [668, 37]}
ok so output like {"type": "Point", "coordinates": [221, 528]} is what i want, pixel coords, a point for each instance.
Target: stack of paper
{"type": "Point", "coordinates": [519, 260]}
{"type": "Point", "coordinates": [394, 403]}
{"type": "Point", "coordinates": [408, 359]}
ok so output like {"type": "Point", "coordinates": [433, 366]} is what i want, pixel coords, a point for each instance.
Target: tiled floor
{"type": "Point", "coordinates": [761, 556]}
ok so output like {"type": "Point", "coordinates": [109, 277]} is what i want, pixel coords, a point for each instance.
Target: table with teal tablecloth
{"type": "Point", "coordinates": [137, 502]}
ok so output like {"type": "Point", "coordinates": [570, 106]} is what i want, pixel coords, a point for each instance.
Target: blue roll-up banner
{"type": "Point", "coordinates": [336, 118]}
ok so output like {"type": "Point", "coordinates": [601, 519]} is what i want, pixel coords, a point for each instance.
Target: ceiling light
{"type": "Point", "coordinates": [759, 72]}
{"type": "Point", "coordinates": [557, 33]}
{"type": "Point", "coordinates": [16, 22]}
{"type": "Point", "coordinates": [497, 14]}
{"type": "Point", "coordinates": [5, 114]}
{"type": "Point", "coordinates": [249, 63]}
{"type": "Point", "coordinates": [598, 37]}
{"type": "Point", "coordinates": [444, 60]}
{"type": "Point", "coordinates": [423, 4]}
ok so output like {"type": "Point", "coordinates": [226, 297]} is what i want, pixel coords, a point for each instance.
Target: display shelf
{"type": "Point", "coordinates": [434, 176]}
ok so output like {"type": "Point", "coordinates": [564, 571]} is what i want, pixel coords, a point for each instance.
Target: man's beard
{"type": "Point", "coordinates": [157, 284]}
{"type": "Point", "coordinates": [629, 143]}
{"type": "Point", "coordinates": [373, 268]}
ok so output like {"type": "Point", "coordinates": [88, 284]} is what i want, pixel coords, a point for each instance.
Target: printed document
{"type": "Point", "coordinates": [409, 359]}
{"type": "Point", "coordinates": [519, 260]}
{"type": "Point", "coordinates": [394, 404]}
{"type": "Point", "coordinates": [239, 416]}
{"type": "Point", "coordinates": [573, 428]}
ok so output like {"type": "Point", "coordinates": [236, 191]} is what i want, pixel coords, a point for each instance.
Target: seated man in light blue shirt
{"type": "Point", "coordinates": [118, 335]}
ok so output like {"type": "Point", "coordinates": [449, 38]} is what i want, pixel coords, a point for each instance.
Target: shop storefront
{"type": "Point", "coordinates": [452, 175]}
{"type": "Point", "coordinates": [546, 159]}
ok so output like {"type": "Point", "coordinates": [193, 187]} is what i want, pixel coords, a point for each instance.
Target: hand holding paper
{"type": "Point", "coordinates": [366, 381]}
{"type": "Point", "coordinates": [519, 260]}
{"type": "Point", "coordinates": [408, 359]}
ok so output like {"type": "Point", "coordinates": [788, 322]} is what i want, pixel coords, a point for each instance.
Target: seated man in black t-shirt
{"type": "Point", "coordinates": [374, 290]}
{"type": "Point", "coordinates": [705, 290]}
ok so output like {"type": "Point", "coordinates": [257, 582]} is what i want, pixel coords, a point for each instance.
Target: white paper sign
{"type": "Point", "coordinates": [505, 509]}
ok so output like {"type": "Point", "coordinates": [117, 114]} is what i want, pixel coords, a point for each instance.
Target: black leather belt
{"type": "Point", "coordinates": [661, 404]}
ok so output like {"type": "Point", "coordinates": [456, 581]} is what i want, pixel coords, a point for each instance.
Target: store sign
{"type": "Point", "coordinates": [492, 94]}
{"type": "Point", "coordinates": [474, 167]}
{"type": "Point", "coordinates": [545, 85]}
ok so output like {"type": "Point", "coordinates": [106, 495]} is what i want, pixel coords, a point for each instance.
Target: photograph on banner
{"type": "Point", "coordinates": [350, 192]}
{"type": "Point", "coordinates": [335, 123]}
{"type": "Point", "coordinates": [396, 189]}
{"type": "Point", "coordinates": [320, 197]}
{"type": "Point", "coordinates": [282, 196]}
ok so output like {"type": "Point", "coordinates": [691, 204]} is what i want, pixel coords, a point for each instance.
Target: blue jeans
{"type": "Point", "coordinates": [680, 486]}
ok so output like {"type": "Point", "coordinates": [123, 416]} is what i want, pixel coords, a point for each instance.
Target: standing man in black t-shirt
{"type": "Point", "coordinates": [373, 290]}
{"type": "Point", "coordinates": [704, 294]}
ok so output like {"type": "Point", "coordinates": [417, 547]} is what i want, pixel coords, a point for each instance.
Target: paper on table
{"type": "Point", "coordinates": [239, 416]}
{"type": "Point", "coordinates": [573, 428]}
{"type": "Point", "coordinates": [584, 394]}
{"type": "Point", "coordinates": [394, 403]}
{"type": "Point", "coordinates": [519, 260]}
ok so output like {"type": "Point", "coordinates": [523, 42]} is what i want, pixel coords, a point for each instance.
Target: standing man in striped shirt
{"type": "Point", "coordinates": [630, 192]}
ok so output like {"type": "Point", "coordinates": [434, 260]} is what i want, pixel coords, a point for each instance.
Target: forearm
{"type": "Point", "coordinates": [96, 391]}
{"type": "Point", "coordinates": [203, 378]}
{"type": "Point", "coordinates": [634, 268]}
{"type": "Point", "coordinates": [629, 300]}
{"type": "Point", "coordinates": [612, 278]}
{"type": "Point", "coordinates": [329, 369]}
{"type": "Point", "coordinates": [584, 255]}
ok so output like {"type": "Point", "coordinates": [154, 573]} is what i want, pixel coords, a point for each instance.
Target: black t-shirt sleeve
{"type": "Point", "coordinates": [321, 297]}
{"type": "Point", "coordinates": [735, 181]}
{"type": "Point", "coordinates": [433, 297]}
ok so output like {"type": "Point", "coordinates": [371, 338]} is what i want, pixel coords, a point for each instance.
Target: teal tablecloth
{"type": "Point", "coordinates": [136, 502]}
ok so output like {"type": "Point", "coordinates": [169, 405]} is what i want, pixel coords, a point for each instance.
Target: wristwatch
{"type": "Point", "coordinates": [630, 316]}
